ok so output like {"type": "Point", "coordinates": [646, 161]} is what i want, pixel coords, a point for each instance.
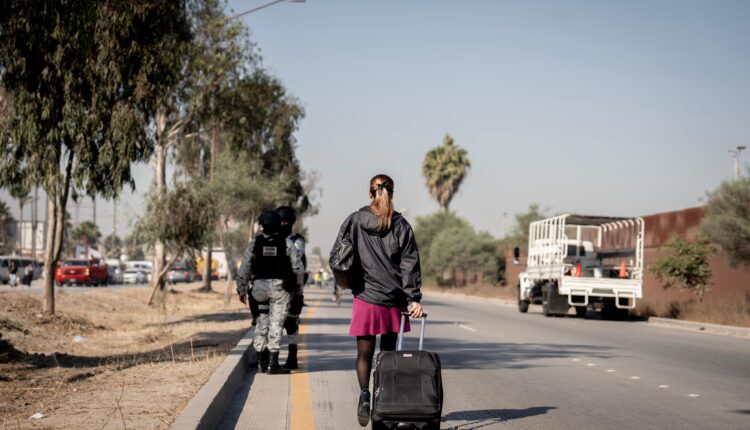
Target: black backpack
{"type": "Point", "coordinates": [343, 260]}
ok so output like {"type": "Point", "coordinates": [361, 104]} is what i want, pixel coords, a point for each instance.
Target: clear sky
{"type": "Point", "coordinates": [600, 107]}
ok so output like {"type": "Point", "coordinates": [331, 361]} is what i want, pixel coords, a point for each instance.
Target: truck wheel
{"type": "Point", "coordinates": [545, 300]}
{"type": "Point", "coordinates": [523, 306]}
{"type": "Point", "coordinates": [581, 311]}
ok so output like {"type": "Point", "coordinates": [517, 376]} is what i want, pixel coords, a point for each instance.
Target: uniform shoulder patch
{"type": "Point", "coordinates": [270, 251]}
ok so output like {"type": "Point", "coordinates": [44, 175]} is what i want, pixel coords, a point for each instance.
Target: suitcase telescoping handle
{"type": "Point", "coordinates": [401, 331]}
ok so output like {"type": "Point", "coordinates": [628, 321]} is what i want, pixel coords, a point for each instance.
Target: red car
{"type": "Point", "coordinates": [81, 272]}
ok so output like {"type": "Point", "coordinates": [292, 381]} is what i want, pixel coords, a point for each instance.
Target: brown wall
{"type": "Point", "coordinates": [727, 280]}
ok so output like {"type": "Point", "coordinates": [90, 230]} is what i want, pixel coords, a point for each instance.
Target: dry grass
{"type": "Point", "coordinates": [728, 310]}
{"type": "Point", "coordinates": [136, 366]}
{"type": "Point", "coordinates": [480, 290]}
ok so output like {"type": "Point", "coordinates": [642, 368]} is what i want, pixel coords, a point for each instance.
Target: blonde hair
{"type": "Point", "coordinates": [381, 191]}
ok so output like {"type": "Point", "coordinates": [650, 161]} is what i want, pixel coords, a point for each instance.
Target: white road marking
{"type": "Point", "coordinates": [611, 371]}
{"type": "Point", "coordinates": [635, 377]}
{"type": "Point", "coordinates": [465, 327]}
{"type": "Point", "coordinates": [590, 364]}
{"type": "Point", "coordinates": [694, 395]}
{"type": "Point", "coordinates": [663, 386]}
{"type": "Point", "coordinates": [576, 359]}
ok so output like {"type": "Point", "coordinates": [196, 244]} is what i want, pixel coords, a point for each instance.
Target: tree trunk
{"type": "Point", "coordinates": [207, 267]}
{"type": "Point", "coordinates": [57, 199]}
{"type": "Point", "coordinates": [207, 271]}
{"type": "Point", "coordinates": [160, 189]}
{"type": "Point", "coordinates": [230, 280]}
{"type": "Point", "coordinates": [49, 268]}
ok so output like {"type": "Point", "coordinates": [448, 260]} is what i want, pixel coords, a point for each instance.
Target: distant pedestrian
{"type": "Point", "coordinates": [28, 274]}
{"type": "Point", "coordinates": [387, 251]}
{"type": "Point", "coordinates": [13, 273]}
{"type": "Point", "coordinates": [270, 262]}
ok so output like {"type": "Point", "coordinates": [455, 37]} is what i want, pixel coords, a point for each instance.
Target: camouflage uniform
{"type": "Point", "coordinates": [270, 295]}
{"type": "Point", "coordinates": [273, 299]}
{"type": "Point", "coordinates": [291, 325]}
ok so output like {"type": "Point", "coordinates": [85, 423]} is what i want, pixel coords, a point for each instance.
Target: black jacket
{"type": "Point", "coordinates": [390, 260]}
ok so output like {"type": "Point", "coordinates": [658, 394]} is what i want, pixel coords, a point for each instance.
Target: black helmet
{"type": "Point", "coordinates": [287, 214]}
{"type": "Point", "coordinates": [270, 220]}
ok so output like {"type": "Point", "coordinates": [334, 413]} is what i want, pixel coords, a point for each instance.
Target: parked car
{"type": "Point", "coordinates": [180, 272]}
{"type": "Point", "coordinates": [114, 274]}
{"type": "Point", "coordinates": [81, 272]}
{"type": "Point", "coordinates": [144, 266]}
{"type": "Point", "coordinates": [134, 276]}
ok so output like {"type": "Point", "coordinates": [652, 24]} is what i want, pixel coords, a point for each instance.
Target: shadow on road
{"type": "Point", "coordinates": [327, 352]}
{"type": "Point", "coordinates": [220, 317]}
{"type": "Point", "coordinates": [486, 417]}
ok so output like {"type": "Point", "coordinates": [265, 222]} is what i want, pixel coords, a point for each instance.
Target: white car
{"type": "Point", "coordinates": [133, 276]}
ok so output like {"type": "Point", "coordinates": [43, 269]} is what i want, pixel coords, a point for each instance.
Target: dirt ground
{"type": "Point", "coordinates": [108, 361]}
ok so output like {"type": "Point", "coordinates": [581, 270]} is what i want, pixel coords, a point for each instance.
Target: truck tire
{"type": "Point", "coordinates": [545, 300]}
{"type": "Point", "coordinates": [581, 311]}
{"type": "Point", "coordinates": [523, 305]}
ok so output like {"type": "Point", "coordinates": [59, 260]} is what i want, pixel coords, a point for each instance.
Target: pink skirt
{"type": "Point", "coordinates": [369, 319]}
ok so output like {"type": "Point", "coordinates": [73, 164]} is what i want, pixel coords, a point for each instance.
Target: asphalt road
{"type": "Point", "coordinates": [503, 369]}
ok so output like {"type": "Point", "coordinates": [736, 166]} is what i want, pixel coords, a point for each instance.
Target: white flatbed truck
{"type": "Point", "coordinates": [583, 261]}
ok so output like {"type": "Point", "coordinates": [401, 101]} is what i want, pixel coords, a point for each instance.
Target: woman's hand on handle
{"type": "Point", "coordinates": [415, 310]}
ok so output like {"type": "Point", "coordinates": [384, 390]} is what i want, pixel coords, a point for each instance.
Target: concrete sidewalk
{"type": "Point", "coordinates": [314, 396]}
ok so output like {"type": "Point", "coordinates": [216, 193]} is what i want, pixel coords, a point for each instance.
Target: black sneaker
{"type": "Point", "coordinates": [363, 408]}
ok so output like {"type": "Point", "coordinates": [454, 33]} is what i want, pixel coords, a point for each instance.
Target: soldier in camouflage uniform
{"type": "Point", "coordinates": [275, 268]}
{"type": "Point", "coordinates": [291, 325]}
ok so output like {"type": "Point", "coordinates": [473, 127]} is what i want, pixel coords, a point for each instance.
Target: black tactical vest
{"type": "Point", "coordinates": [270, 260]}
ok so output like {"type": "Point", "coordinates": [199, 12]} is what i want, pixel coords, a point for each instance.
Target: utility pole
{"type": "Point", "coordinates": [93, 203]}
{"type": "Point", "coordinates": [736, 155]}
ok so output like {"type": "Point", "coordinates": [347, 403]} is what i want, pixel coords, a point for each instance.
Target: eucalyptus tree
{"type": "Point", "coordinates": [727, 219]}
{"type": "Point", "coordinates": [84, 78]}
{"type": "Point", "coordinates": [444, 169]}
{"type": "Point", "coordinates": [86, 233]}
{"type": "Point", "coordinates": [6, 228]}
{"type": "Point", "coordinates": [197, 209]}
{"type": "Point", "coordinates": [219, 55]}
{"type": "Point", "coordinates": [264, 118]}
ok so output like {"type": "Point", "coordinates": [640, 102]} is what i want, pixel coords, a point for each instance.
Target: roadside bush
{"type": "Point", "coordinates": [686, 266]}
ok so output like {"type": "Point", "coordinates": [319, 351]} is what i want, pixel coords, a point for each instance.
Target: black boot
{"type": "Point", "coordinates": [263, 361]}
{"type": "Point", "coordinates": [291, 359]}
{"type": "Point", "coordinates": [363, 408]}
{"type": "Point", "coordinates": [274, 368]}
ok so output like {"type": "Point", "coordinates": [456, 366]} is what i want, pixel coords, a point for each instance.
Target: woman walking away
{"type": "Point", "coordinates": [387, 252]}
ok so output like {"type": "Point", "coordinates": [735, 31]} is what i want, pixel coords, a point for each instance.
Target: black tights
{"type": "Point", "coordinates": [365, 352]}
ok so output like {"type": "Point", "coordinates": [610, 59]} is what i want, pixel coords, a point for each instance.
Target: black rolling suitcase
{"type": "Point", "coordinates": [408, 388]}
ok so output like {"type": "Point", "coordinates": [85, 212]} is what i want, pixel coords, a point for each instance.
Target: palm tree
{"type": "Point", "coordinates": [21, 193]}
{"type": "Point", "coordinates": [87, 233]}
{"type": "Point", "coordinates": [6, 233]}
{"type": "Point", "coordinates": [444, 168]}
